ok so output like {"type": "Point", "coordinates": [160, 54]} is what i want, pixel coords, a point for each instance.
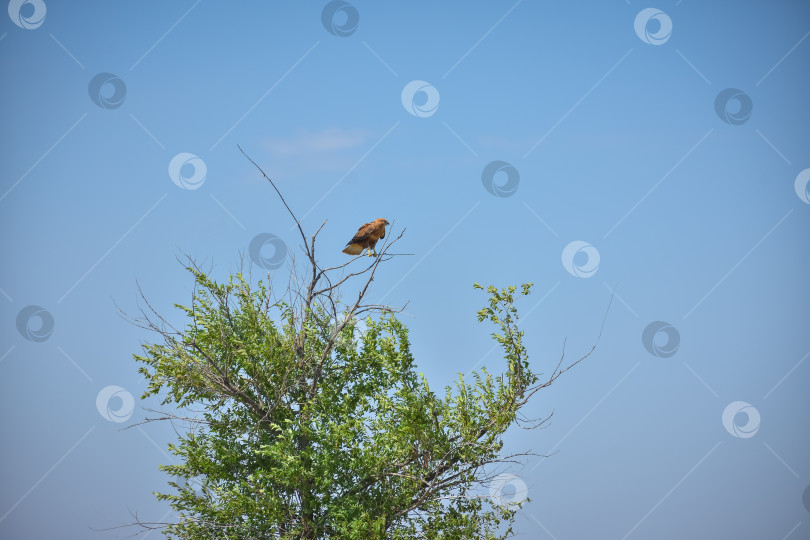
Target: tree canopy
{"type": "Point", "coordinates": [312, 421]}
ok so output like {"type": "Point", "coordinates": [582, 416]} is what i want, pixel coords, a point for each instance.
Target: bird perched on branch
{"type": "Point", "coordinates": [366, 238]}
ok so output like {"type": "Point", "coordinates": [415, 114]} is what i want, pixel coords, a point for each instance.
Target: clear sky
{"type": "Point", "coordinates": [658, 151]}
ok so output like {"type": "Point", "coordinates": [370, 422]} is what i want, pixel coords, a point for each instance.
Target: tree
{"type": "Point", "coordinates": [313, 421]}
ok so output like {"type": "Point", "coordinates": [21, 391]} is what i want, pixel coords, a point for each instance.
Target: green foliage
{"type": "Point", "coordinates": [310, 427]}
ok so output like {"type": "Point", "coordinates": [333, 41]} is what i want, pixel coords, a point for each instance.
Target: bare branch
{"type": "Point", "coordinates": [280, 196]}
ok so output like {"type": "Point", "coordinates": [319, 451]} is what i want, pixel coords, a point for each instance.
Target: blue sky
{"type": "Point", "coordinates": [614, 137]}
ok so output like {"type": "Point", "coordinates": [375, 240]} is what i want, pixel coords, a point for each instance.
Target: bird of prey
{"type": "Point", "coordinates": [366, 238]}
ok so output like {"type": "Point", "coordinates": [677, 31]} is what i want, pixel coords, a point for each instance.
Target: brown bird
{"type": "Point", "coordinates": [366, 238]}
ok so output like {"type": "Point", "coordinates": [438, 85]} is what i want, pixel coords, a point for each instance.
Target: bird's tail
{"type": "Point", "coordinates": [353, 249]}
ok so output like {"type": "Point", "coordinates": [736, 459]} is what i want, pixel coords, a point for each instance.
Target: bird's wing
{"type": "Point", "coordinates": [362, 233]}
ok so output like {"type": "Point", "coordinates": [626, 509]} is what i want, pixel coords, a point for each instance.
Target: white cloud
{"type": "Point", "coordinates": [307, 143]}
